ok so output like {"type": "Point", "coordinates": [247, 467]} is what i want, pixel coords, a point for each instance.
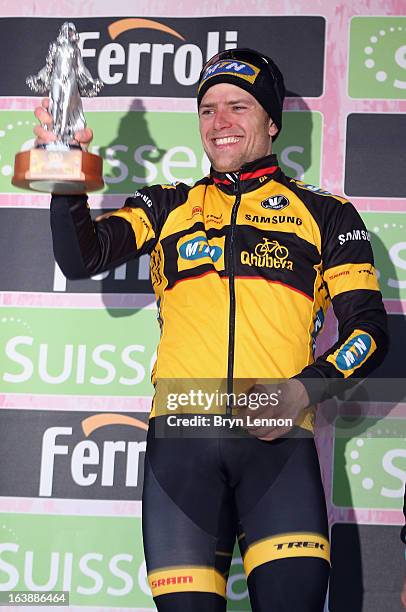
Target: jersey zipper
{"type": "Point", "coordinates": [231, 288]}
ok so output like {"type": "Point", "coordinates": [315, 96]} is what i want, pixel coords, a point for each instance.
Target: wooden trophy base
{"type": "Point", "coordinates": [62, 172]}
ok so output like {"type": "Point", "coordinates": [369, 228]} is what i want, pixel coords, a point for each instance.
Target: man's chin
{"type": "Point", "coordinates": [222, 166]}
{"type": "Point", "coordinates": [225, 170]}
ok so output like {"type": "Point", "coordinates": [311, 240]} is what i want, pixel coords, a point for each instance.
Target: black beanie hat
{"type": "Point", "coordinates": [250, 70]}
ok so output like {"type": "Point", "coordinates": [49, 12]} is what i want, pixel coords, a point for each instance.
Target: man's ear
{"type": "Point", "coordinates": [272, 128]}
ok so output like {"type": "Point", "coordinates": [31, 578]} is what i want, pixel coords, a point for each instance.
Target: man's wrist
{"type": "Point", "coordinates": [298, 392]}
{"type": "Point", "coordinates": [315, 383]}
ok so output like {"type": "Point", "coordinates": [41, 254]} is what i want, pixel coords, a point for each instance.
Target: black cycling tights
{"type": "Point", "coordinates": [200, 494]}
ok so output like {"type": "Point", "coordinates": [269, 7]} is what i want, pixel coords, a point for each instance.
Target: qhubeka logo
{"type": "Point", "coordinates": [268, 254]}
{"type": "Point", "coordinates": [377, 67]}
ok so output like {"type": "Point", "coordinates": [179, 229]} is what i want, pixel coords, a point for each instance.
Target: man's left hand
{"type": "Point", "coordinates": [292, 398]}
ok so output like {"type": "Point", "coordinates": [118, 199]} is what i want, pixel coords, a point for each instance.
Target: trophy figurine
{"type": "Point", "coordinates": [62, 166]}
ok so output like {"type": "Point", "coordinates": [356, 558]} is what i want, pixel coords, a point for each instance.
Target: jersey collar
{"type": "Point", "coordinates": [250, 176]}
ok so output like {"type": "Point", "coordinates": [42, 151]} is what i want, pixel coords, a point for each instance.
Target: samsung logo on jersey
{"type": "Point", "coordinates": [277, 202]}
{"type": "Point", "coordinates": [198, 248]}
{"type": "Point", "coordinates": [274, 219]}
{"type": "Point", "coordinates": [354, 235]}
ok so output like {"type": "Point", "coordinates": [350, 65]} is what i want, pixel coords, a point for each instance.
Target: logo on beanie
{"type": "Point", "coordinates": [277, 202]}
{"type": "Point", "coordinates": [234, 68]}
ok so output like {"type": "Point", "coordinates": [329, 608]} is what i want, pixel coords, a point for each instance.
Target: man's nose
{"type": "Point", "coordinates": [222, 119]}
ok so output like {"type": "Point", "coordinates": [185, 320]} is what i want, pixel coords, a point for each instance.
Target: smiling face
{"type": "Point", "coordinates": [235, 129]}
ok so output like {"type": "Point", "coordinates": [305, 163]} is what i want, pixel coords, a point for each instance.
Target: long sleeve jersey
{"type": "Point", "coordinates": [244, 266]}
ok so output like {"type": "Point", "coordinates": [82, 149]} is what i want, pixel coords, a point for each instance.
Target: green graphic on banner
{"type": "Point", "coordinates": [388, 238]}
{"type": "Point", "coordinates": [299, 145]}
{"type": "Point", "coordinates": [377, 67]}
{"type": "Point", "coordinates": [369, 463]}
{"type": "Point", "coordinates": [77, 351]}
{"type": "Point", "coordinates": [237, 590]}
{"type": "Point", "coordinates": [99, 560]}
{"type": "Point", "coordinates": [142, 148]}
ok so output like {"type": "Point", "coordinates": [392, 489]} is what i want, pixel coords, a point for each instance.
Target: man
{"type": "Point", "coordinates": [244, 265]}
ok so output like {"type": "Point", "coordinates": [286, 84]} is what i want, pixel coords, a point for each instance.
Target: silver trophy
{"type": "Point", "coordinates": [61, 166]}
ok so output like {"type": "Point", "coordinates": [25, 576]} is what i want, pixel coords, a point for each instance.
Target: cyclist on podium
{"type": "Point", "coordinates": [245, 264]}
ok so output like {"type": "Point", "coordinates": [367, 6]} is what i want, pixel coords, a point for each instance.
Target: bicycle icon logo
{"type": "Point", "coordinates": [269, 247]}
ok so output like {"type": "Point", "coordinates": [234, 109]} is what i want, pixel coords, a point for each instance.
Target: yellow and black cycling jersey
{"type": "Point", "coordinates": [244, 266]}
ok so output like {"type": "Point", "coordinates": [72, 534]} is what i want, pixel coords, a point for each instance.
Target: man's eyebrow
{"type": "Point", "coordinates": [229, 103]}
{"type": "Point", "coordinates": [239, 101]}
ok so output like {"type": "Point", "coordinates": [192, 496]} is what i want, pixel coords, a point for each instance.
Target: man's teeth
{"type": "Point", "coordinates": [228, 140]}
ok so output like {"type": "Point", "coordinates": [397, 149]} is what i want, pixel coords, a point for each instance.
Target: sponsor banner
{"type": "Point", "coordinates": [377, 65]}
{"type": "Point", "coordinates": [99, 560]}
{"type": "Point", "coordinates": [77, 455]}
{"type": "Point", "coordinates": [77, 351]}
{"type": "Point", "coordinates": [388, 237]}
{"type": "Point", "coordinates": [367, 568]}
{"type": "Point", "coordinates": [375, 155]}
{"type": "Point", "coordinates": [160, 147]}
{"type": "Point", "coordinates": [163, 57]}
{"type": "Point", "coordinates": [387, 234]}
{"type": "Point", "coordinates": [31, 234]}
{"type": "Point", "coordinates": [299, 145]}
{"type": "Point", "coordinates": [369, 463]}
